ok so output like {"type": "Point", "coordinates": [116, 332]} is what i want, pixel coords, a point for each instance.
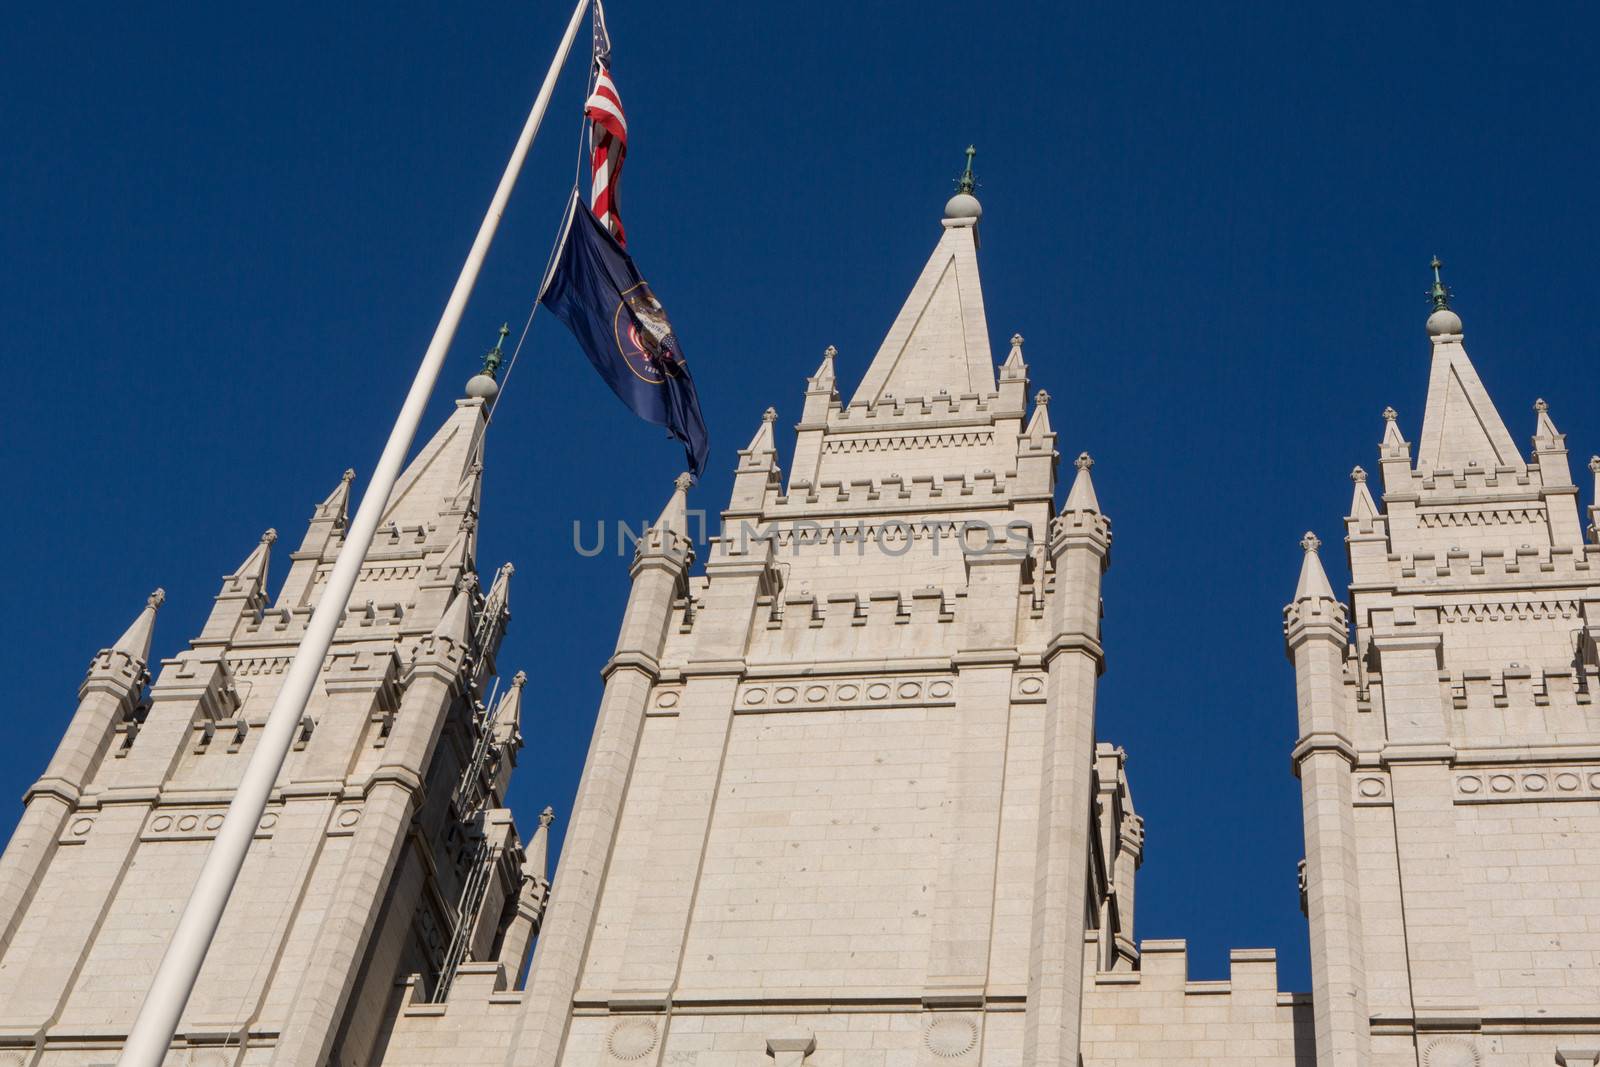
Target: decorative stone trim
{"type": "Point", "coordinates": [1490, 785]}
{"type": "Point", "coordinates": [194, 824]}
{"type": "Point", "coordinates": [951, 1037]}
{"type": "Point", "coordinates": [1029, 688]}
{"type": "Point", "coordinates": [1451, 1052]}
{"type": "Point", "coordinates": [818, 694]}
{"type": "Point", "coordinates": [631, 1039]}
{"type": "Point", "coordinates": [1370, 790]}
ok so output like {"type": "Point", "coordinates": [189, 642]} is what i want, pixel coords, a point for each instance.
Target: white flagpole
{"type": "Point", "coordinates": [174, 980]}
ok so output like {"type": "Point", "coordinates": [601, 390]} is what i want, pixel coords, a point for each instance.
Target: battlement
{"type": "Point", "coordinates": [925, 410]}
{"type": "Point", "coordinates": [1526, 561]}
{"type": "Point", "coordinates": [893, 492]}
{"type": "Point", "coordinates": [1158, 1014]}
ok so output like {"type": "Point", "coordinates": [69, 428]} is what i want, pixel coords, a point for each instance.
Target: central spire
{"type": "Point", "coordinates": [939, 342]}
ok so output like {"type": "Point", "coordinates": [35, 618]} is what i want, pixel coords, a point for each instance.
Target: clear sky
{"type": "Point", "coordinates": [226, 233]}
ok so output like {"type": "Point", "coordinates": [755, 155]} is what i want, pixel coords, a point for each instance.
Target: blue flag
{"type": "Point", "coordinates": [595, 289]}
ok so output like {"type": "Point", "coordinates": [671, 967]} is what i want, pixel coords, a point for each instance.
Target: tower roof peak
{"type": "Point", "coordinates": [940, 338]}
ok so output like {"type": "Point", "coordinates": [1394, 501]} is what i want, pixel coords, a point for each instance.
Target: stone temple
{"type": "Point", "coordinates": [845, 804]}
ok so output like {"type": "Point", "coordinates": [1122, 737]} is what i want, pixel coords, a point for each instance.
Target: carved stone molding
{"type": "Point", "coordinates": [1491, 785]}
{"type": "Point", "coordinates": [833, 694]}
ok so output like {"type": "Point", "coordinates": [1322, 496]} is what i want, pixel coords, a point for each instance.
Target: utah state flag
{"type": "Point", "coordinates": [595, 289]}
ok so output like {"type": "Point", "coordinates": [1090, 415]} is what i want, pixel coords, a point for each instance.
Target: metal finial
{"type": "Point", "coordinates": [1440, 293]}
{"type": "Point", "coordinates": [493, 358]}
{"type": "Point", "coordinates": [968, 183]}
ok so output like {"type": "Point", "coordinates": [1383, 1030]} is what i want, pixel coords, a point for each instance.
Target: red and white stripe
{"type": "Point", "coordinates": [608, 144]}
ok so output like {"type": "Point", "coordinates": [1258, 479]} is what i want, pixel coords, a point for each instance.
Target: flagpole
{"type": "Point", "coordinates": [174, 980]}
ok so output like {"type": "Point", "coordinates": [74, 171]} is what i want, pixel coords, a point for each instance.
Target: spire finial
{"type": "Point", "coordinates": [968, 183]}
{"type": "Point", "coordinates": [770, 415]}
{"type": "Point", "coordinates": [520, 679]}
{"type": "Point", "coordinates": [1042, 398]}
{"type": "Point", "coordinates": [349, 475]}
{"type": "Point", "coordinates": [1540, 406]}
{"type": "Point", "coordinates": [1358, 475]}
{"type": "Point", "coordinates": [1084, 461]}
{"type": "Point", "coordinates": [156, 599]}
{"type": "Point", "coordinates": [1440, 293]}
{"type": "Point", "coordinates": [829, 352]}
{"type": "Point", "coordinates": [1310, 542]}
{"type": "Point", "coordinates": [1594, 467]}
{"type": "Point", "coordinates": [1390, 414]}
{"type": "Point", "coordinates": [684, 481]}
{"type": "Point", "coordinates": [547, 816]}
{"type": "Point", "coordinates": [270, 536]}
{"type": "Point", "coordinates": [493, 357]}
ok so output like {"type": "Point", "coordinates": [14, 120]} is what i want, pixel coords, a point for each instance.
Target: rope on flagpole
{"type": "Point", "coordinates": [561, 238]}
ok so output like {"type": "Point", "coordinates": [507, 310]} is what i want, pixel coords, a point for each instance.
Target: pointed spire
{"type": "Point", "coordinates": [135, 640]}
{"type": "Point", "coordinates": [436, 476]}
{"type": "Point", "coordinates": [536, 863]}
{"type": "Point", "coordinates": [252, 573]}
{"type": "Point", "coordinates": [763, 440]}
{"type": "Point", "coordinates": [675, 516]}
{"type": "Point", "coordinates": [1039, 425]}
{"type": "Point", "coordinates": [1391, 429]}
{"type": "Point", "coordinates": [1082, 496]}
{"type": "Point", "coordinates": [1545, 435]}
{"type": "Point", "coordinates": [1363, 508]}
{"type": "Point", "coordinates": [336, 505]}
{"type": "Point", "coordinates": [456, 622]}
{"type": "Point", "coordinates": [823, 380]}
{"type": "Point", "coordinates": [940, 339]}
{"type": "Point", "coordinates": [508, 713]}
{"type": "Point", "coordinates": [1014, 367]}
{"type": "Point", "coordinates": [1460, 426]}
{"type": "Point", "coordinates": [1313, 582]}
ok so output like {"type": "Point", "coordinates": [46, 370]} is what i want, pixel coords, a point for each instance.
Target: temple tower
{"type": "Point", "coordinates": [838, 804]}
{"type": "Point", "coordinates": [1447, 754]}
{"type": "Point", "coordinates": [386, 850]}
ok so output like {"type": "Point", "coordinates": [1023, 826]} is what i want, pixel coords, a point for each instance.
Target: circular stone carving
{"type": "Point", "coordinates": [82, 827]}
{"type": "Point", "coordinates": [1451, 1052]}
{"type": "Point", "coordinates": [163, 823]}
{"type": "Point", "coordinates": [670, 700]}
{"type": "Point", "coordinates": [188, 822]}
{"type": "Point", "coordinates": [785, 695]}
{"type": "Point", "coordinates": [1567, 782]}
{"type": "Point", "coordinates": [1031, 686]}
{"type": "Point", "coordinates": [877, 691]}
{"type": "Point", "coordinates": [1594, 781]}
{"type": "Point", "coordinates": [755, 696]}
{"type": "Point", "coordinates": [213, 821]}
{"type": "Point", "coordinates": [268, 821]}
{"type": "Point", "coordinates": [1501, 783]}
{"type": "Point", "coordinates": [1371, 787]}
{"type": "Point", "coordinates": [847, 692]}
{"type": "Point", "coordinates": [817, 693]}
{"type": "Point", "coordinates": [938, 690]}
{"type": "Point", "coordinates": [349, 817]}
{"type": "Point", "coordinates": [631, 1039]}
{"type": "Point", "coordinates": [951, 1037]}
{"type": "Point", "coordinates": [910, 690]}
{"type": "Point", "coordinates": [1535, 783]}
{"type": "Point", "coordinates": [1469, 785]}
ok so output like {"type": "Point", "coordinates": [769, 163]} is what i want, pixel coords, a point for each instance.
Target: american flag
{"type": "Point", "coordinates": [608, 144]}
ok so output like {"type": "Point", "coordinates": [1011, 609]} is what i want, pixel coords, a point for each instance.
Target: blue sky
{"type": "Point", "coordinates": [227, 233]}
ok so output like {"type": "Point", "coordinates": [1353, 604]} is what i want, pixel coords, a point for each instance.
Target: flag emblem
{"type": "Point", "coordinates": [644, 336]}
{"type": "Point", "coordinates": [608, 145]}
